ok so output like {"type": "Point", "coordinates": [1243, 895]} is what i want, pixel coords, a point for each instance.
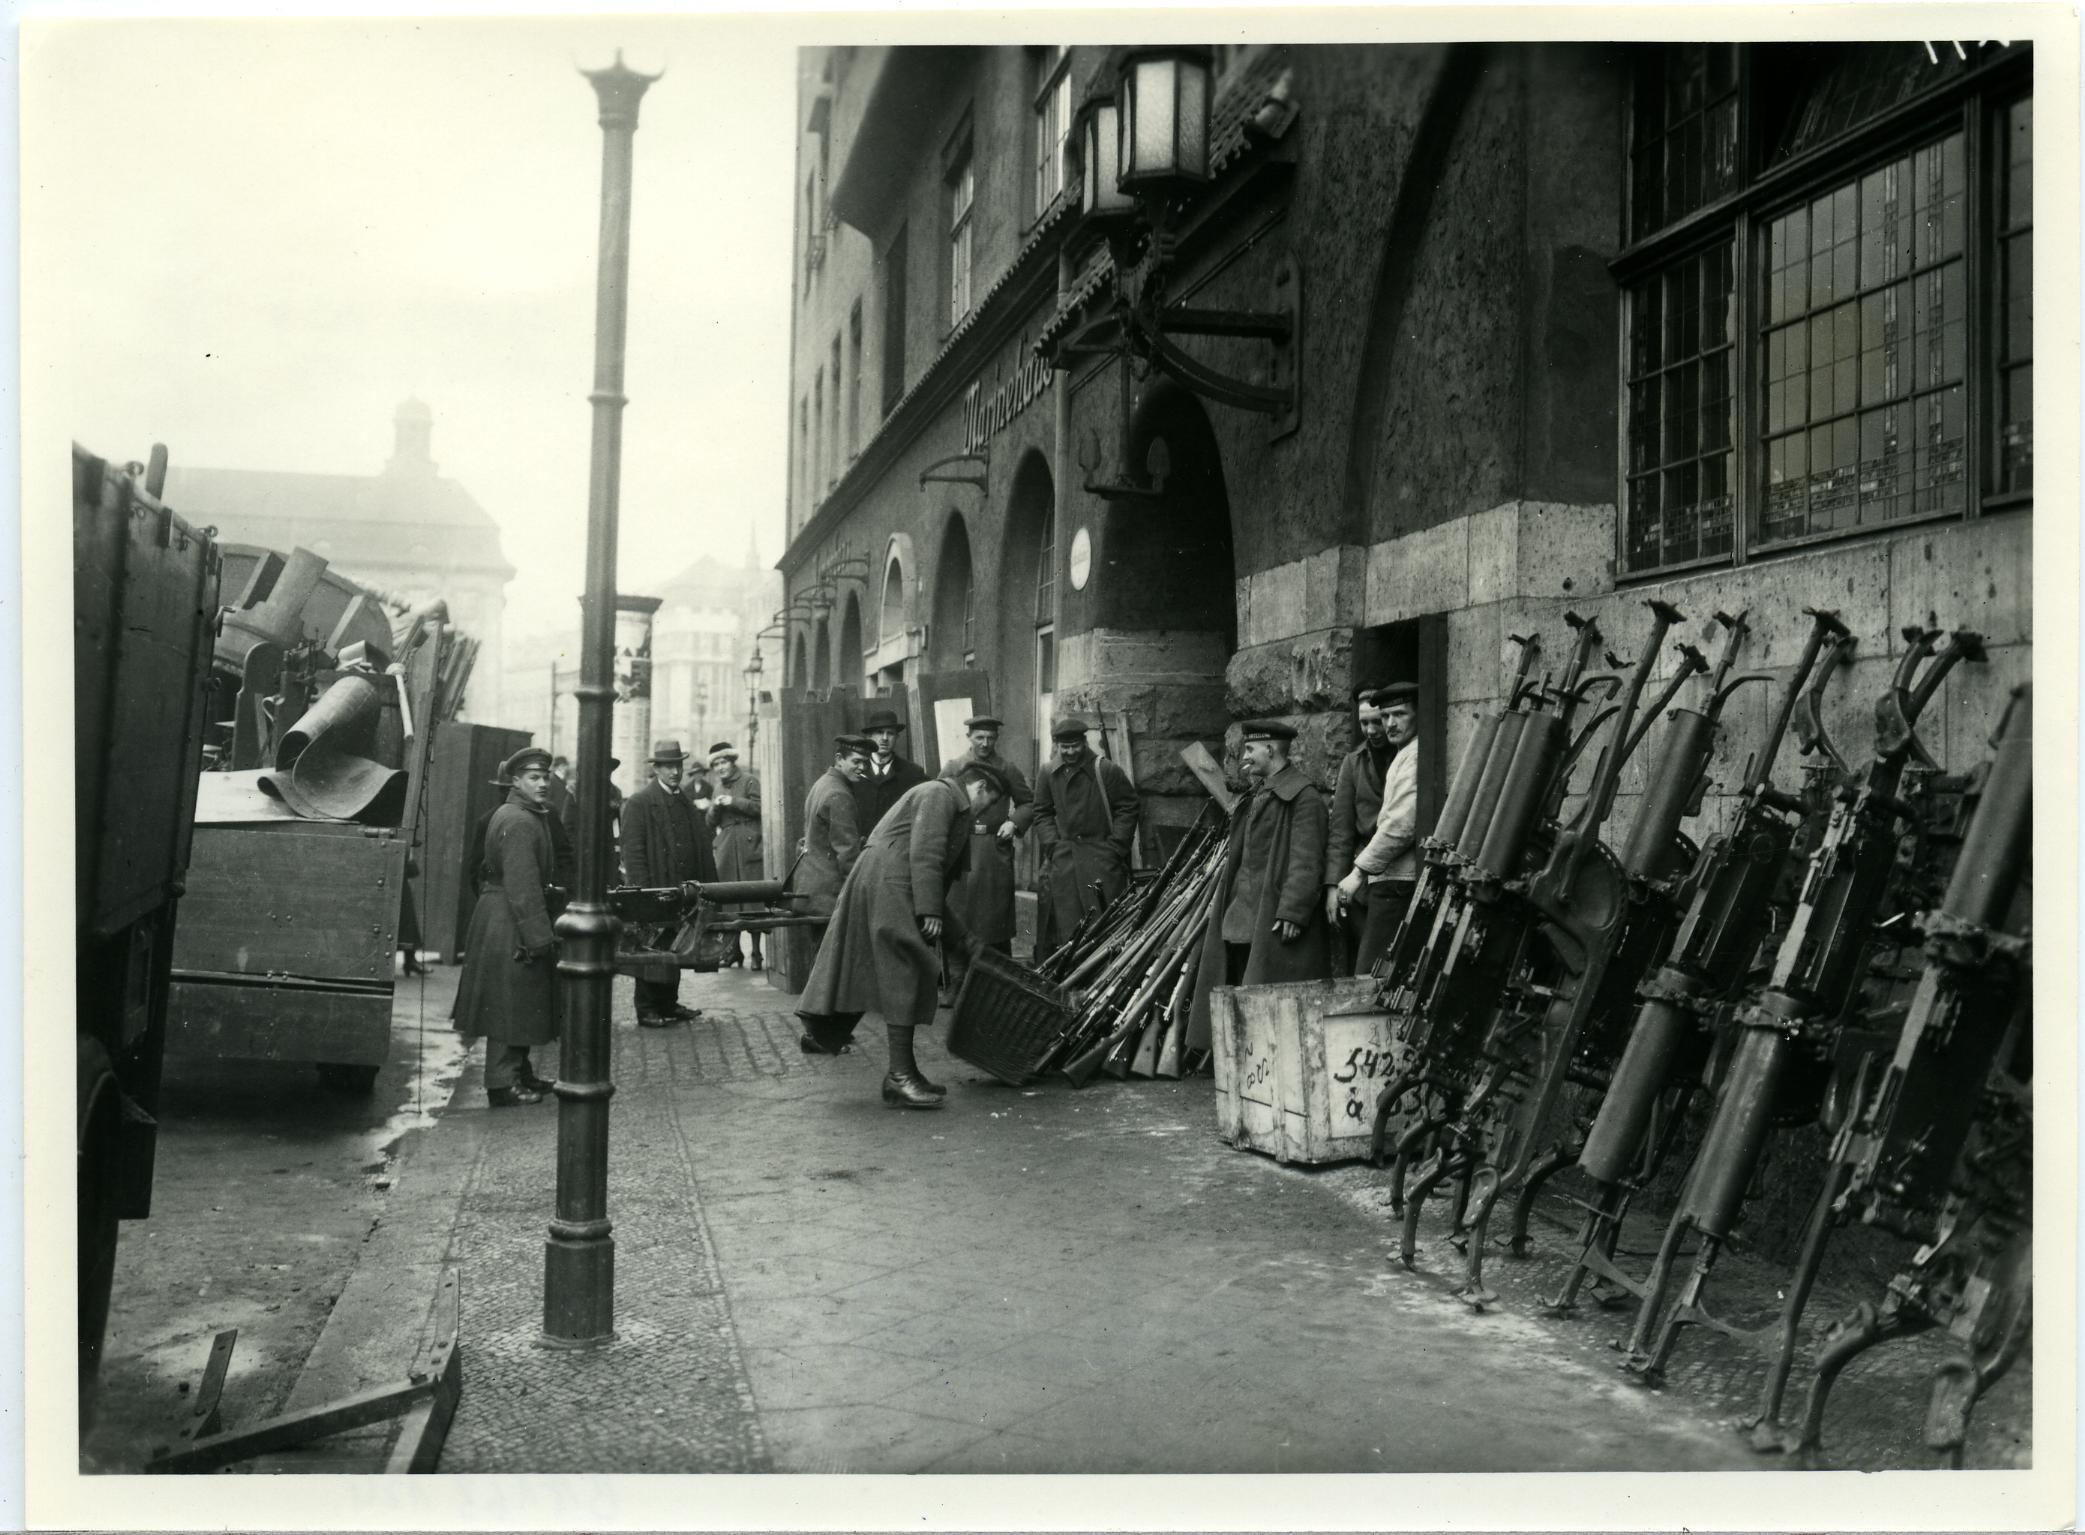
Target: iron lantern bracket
{"type": "Point", "coordinates": [982, 463]}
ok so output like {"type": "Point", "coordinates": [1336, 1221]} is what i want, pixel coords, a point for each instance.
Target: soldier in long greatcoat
{"type": "Point", "coordinates": [509, 990]}
{"type": "Point", "coordinates": [983, 899]}
{"type": "Point", "coordinates": [734, 818]}
{"type": "Point", "coordinates": [664, 843]}
{"type": "Point", "coordinates": [832, 835]}
{"type": "Point", "coordinates": [1085, 823]}
{"type": "Point", "coordinates": [878, 953]}
{"type": "Point", "coordinates": [1268, 921]}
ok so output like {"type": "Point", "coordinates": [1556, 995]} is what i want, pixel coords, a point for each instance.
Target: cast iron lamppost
{"type": "Point", "coordinates": [1145, 153]}
{"type": "Point", "coordinates": [752, 676]}
{"type": "Point", "coordinates": [579, 1258]}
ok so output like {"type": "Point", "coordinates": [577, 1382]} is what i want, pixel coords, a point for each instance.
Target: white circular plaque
{"type": "Point", "coordinates": [1081, 559]}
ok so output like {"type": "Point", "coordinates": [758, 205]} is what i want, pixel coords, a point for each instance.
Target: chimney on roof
{"type": "Point", "coordinates": [411, 452]}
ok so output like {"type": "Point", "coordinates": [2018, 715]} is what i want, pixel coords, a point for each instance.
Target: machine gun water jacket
{"type": "Point", "coordinates": [1275, 862]}
{"type": "Point", "coordinates": [508, 1000]}
{"type": "Point", "coordinates": [983, 900]}
{"type": "Point", "coordinates": [832, 842]}
{"type": "Point", "coordinates": [874, 958]}
{"type": "Point", "coordinates": [1085, 822]}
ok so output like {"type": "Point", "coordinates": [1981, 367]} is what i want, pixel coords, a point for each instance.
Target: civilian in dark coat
{"type": "Point", "coordinates": [1357, 799]}
{"type": "Point", "coordinates": [664, 843]}
{"type": "Point", "coordinates": [1268, 921]}
{"type": "Point", "coordinates": [734, 823]}
{"type": "Point", "coordinates": [983, 900]}
{"type": "Point", "coordinates": [878, 954]}
{"type": "Point", "coordinates": [508, 992]}
{"type": "Point", "coordinates": [889, 775]}
{"type": "Point", "coordinates": [1085, 822]}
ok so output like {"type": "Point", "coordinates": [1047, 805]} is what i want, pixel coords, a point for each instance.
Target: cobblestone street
{"type": "Point", "coordinates": [1033, 1280]}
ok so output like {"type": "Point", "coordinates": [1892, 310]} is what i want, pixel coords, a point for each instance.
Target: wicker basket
{"type": "Point", "coordinates": [1007, 1020]}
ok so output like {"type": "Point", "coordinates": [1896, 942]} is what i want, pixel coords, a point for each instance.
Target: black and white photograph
{"type": "Point", "coordinates": [888, 746]}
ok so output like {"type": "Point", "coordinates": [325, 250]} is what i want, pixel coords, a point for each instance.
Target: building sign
{"type": "Point", "coordinates": [988, 413]}
{"type": "Point", "coordinates": [1081, 558]}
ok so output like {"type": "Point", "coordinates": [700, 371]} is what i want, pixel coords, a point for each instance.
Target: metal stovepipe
{"type": "Point", "coordinates": [579, 1257]}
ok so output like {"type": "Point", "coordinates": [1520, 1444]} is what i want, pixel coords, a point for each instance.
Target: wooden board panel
{"type": "Point", "coordinates": [463, 761]}
{"type": "Point", "coordinates": [278, 1023]}
{"type": "Point", "coordinates": [292, 900]}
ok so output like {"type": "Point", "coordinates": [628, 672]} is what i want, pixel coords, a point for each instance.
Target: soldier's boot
{"type": "Point", "coordinates": [905, 1087]}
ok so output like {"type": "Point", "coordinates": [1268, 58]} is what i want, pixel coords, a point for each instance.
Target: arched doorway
{"type": "Point", "coordinates": [799, 676]}
{"type": "Point", "coordinates": [849, 673]}
{"type": "Point", "coordinates": [1165, 608]}
{"type": "Point", "coordinates": [953, 640]}
{"type": "Point", "coordinates": [822, 658]}
{"type": "Point", "coordinates": [1027, 603]}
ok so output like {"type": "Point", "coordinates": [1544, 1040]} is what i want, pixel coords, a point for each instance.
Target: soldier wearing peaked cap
{"type": "Point", "coordinates": [509, 991]}
{"type": "Point", "coordinates": [1387, 867]}
{"type": "Point", "coordinates": [1268, 921]}
{"type": "Point", "coordinates": [878, 954]}
{"type": "Point", "coordinates": [832, 834]}
{"type": "Point", "coordinates": [663, 844]}
{"type": "Point", "coordinates": [1085, 826]}
{"type": "Point", "coordinates": [983, 899]}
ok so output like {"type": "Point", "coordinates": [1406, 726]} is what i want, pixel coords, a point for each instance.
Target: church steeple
{"type": "Point", "coordinates": [413, 440]}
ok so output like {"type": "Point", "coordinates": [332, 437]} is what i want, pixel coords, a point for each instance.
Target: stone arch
{"type": "Point", "coordinates": [848, 666]}
{"type": "Point", "coordinates": [1028, 566]}
{"type": "Point", "coordinates": [900, 582]}
{"type": "Point", "coordinates": [952, 637]}
{"type": "Point", "coordinates": [799, 676]}
{"type": "Point", "coordinates": [822, 658]}
{"type": "Point", "coordinates": [1168, 565]}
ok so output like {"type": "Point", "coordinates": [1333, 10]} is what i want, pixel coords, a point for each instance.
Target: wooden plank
{"type": "Point", "coordinates": [1209, 773]}
{"type": "Point", "coordinates": [284, 900]}
{"type": "Point", "coordinates": [1122, 752]}
{"type": "Point", "coordinates": [278, 1023]}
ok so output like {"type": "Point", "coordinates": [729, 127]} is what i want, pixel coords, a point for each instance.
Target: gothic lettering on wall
{"type": "Point", "coordinates": [986, 415]}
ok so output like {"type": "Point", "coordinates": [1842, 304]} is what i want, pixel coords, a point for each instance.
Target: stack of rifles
{"type": "Point", "coordinates": [1131, 967]}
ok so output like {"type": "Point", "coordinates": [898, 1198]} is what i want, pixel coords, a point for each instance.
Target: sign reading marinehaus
{"type": "Point", "coordinates": [987, 414]}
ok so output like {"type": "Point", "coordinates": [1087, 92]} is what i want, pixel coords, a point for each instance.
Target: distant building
{"type": "Point", "coordinates": [408, 533]}
{"type": "Point", "coordinates": [702, 638]}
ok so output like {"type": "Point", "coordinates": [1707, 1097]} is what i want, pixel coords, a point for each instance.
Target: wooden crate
{"type": "Point", "coordinates": [1299, 1067]}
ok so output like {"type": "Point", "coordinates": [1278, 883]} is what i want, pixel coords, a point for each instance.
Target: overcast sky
{"type": "Point", "coordinates": [286, 228]}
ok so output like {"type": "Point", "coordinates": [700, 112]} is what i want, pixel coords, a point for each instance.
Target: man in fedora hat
{"type": "Point", "coordinates": [1386, 870]}
{"type": "Point", "coordinates": [878, 954]}
{"type": "Point", "coordinates": [1268, 921]}
{"type": "Point", "coordinates": [1085, 822]}
{"type": "Point", "coordinates": [889, 776]}
{"type": "Point", "coordinates": [664, 844]}
{"type": "Point", "coordinates": [734, 819]}
{"type": "Point", "coordinates": [509, 991]}
{"type": "Point", "coordinates": [983, 899]}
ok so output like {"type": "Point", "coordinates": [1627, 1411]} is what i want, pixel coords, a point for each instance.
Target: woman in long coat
{"type": "Point", "coordinates": [734, 815]}
{"type": "Point", "coordinates": [878, 954]}
{"type": "Point", "coordinates": [1277, 853]}
{"type": "Point", "coordinates": [509, 988]}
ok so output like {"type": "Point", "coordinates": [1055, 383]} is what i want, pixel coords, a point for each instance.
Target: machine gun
{"type": "Point", "coordinates": [1791, 1033]}
{"type": "Point", "coordinates": [692, 910]}
{"type": "Point", "coordinates": [1472, 795]}
{"type": "Point", "coordinates": [1573, 910]}
{"type": "Point", "coordinates": [1938, 1152]}
{"type": "Point", "coordinates": [1727, 900]}
{"type": "Point", "coordinates": [1494, 908]}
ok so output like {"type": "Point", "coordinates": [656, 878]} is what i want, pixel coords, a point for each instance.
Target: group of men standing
{"type": "Point", "coordinates": [896, 861]}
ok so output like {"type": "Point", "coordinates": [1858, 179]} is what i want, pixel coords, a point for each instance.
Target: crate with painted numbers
{"type": "Point", "coordinates": [1299, 1066]}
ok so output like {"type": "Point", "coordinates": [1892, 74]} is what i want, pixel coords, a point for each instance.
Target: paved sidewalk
{"type": "Point", "coordinates": [1034, 1280]}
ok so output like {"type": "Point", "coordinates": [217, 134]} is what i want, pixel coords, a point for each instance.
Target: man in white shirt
{"type": "Point", "coordinates": [1389, 865]}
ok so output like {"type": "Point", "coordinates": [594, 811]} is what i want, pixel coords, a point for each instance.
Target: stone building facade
{"type": "Point", "coordinates": [1739, 327]}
